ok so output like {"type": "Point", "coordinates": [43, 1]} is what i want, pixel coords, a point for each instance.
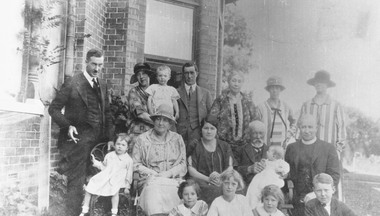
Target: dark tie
{"type": "Point", "coordinates": [190, 91]}
{"type": "Point", "coordinates": [95, 84]}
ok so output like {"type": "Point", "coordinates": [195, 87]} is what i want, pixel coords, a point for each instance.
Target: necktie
{"type": "Point", "coordinates": [95, 84]}
{"type": "Point", "coordinates": [190, 91]}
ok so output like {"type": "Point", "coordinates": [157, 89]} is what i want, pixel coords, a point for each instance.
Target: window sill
{"type": "Point", "coordinates": [31, 106]}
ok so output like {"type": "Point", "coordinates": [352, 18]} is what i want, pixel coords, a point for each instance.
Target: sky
{"type": "Point", "coordinates": [295, 38]}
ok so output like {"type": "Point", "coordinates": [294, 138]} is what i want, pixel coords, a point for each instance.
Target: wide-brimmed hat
{"type": "Point", "coordinates": [274, 81]}
{"type": "Point", "coordinates": [321, 77]}
{"type": "Point", "coordinates": [141, 66]}
{"type": "Point", "coordinates": [164, 110]}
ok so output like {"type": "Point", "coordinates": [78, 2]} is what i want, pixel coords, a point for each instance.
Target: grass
{"type": "Point", "coordinates": [360, 193]}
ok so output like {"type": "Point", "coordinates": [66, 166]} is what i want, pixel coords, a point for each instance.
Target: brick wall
{"type": "Point", "coordinates": [206, 51]}
{"type": "Point", "coordinates": [90, 19]}
{"type": "Point", "coordinates": [19, 150]}
{"type": "Point", "coordinates": [115, 38]}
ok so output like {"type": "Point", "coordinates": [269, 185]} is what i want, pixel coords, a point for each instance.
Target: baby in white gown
{"type": "Point", "coordinates": [275, 171]}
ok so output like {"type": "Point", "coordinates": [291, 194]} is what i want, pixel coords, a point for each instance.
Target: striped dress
{"type": "Point", "coordinates": [265, 113]}
{"type": "Point", "coordinates": [331, 126]}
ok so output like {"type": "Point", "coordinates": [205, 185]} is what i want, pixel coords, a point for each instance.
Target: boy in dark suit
{"type": "Point", "coordinates": [324, 204]}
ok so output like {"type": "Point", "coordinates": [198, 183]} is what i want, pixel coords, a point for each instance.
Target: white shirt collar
{"type": "Point", "coordinates": [89, 78]}
{"type": "Point", "coordinates": [186, 211]}
{"type": "Point", "coordinates": [187, 87]}
{"type": "Point", "coordinates": [310, 141]}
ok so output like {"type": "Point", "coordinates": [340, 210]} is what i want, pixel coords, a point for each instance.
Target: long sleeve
{"type": "Point", "coordinates": [179, 168]}
{"type": "Point", "coordinates": [60, 101]}
{"type": "Point", "coordinates": [138, 156]}
{"type": "Point", "coordinates": [333, 164]}
{"type": "Point", "coordinates": [341, 126]}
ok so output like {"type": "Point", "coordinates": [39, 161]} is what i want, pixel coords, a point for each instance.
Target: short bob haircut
{"type": "Point", "coordinates": [210, 119]}
{"type": "Point", "coordinates": [188, 183]}
{"type": "Point", "coordinates": [275, 191]}
{"type": "Point", "coordinates": [227, 174]}
{"type": "Point", "coordinates": [323, 178]}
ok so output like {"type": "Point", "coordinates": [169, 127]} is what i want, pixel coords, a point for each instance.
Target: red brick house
{"type": "Point", "coordinates": [129, 31]}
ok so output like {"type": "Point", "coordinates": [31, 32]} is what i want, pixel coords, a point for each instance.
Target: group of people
{"type": "Point", "coordinates": [186, 147]}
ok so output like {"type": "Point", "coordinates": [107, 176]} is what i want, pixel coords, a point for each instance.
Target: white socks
{"type": "Point", "coordinates": [114, 211]}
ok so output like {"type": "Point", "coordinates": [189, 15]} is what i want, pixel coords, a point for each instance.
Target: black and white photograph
{"type": "Point", "coordinates": [190, 108]}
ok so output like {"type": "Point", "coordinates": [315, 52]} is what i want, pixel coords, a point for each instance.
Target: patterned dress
{"type": "Point", "coordinates": [151, 157]}
{"type": "Point", "coordinates": [162, 95]}
{"type": "Point", "coordinates": [233, 118]}
{"type": "Point", "coordinates": [137, 104]}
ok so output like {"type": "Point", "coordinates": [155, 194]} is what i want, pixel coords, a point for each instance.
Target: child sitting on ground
{"type": "Point", "coordinates": [324, 203]}
{"type": "Point", "coordinates": [272, 198]}
{"type": "Point", "coordinates": [189, 191]}
{"type": "Point", "coordinates": [230, 203]}
{"type": "Point", "coordinates": [275, 171]}
{"type": "Point", "coordinates": [161, 93]}
{"type": "Point", "coordinates": [116, 172]}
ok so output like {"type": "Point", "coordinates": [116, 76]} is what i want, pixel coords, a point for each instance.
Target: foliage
{"type": "Point", "coordinates": [238, 45]}
{"type": "Point", "coordinates": [40, 16]}
{"type": "Point", "coordinates": [362, 133]}
{"type": "Point", "coordinates": [120, 112]}
{"type": "Point", "coordinates": [13, 202]}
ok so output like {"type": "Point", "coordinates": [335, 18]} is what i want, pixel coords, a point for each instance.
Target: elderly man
{"type": "Point", "coordinates": [250, 155]}
{"type": "Point", "coordinates": [308, 157]}
{"type": "Point", "coordinates": [194, 104]}
{"type": "Point", "coordinates": [85, 122]}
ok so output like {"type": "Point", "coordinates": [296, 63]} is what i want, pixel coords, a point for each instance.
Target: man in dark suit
{"type": "Point", "coordinates": [194, 104]}
{"type": "Point", "coordinates": [250, 155]}
{"type": "Point", "coordinates": [86, 121]}
{"type": "Point", "coordinates": [308, 157]}
{"type": "Point", "coordinates": [325, 204]}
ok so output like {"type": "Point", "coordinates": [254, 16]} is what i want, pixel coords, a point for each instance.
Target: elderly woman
{"type": "Point", "coordinates": [140, 120]}
{"type": "Point", "coordinates": [234, 110]}
{"type": "Point", "coordinates": [159, 156]}
{"type": "Point", "coordinates": [276, 115]}
{"type": "Point", "coordinates": [209, 158]}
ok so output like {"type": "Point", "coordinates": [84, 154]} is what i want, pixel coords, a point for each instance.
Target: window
{"type": "Point", "coordinates": [169, 30]}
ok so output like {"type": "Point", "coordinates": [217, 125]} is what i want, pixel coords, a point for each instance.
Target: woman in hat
{"type": "Point", "coordinates": [159, 157]}
{"type": "Point", "coordinates": [276, 115]}
{"type": "Point", "coordinates": [209, 157]}
{"type": "Point", "coordinates": [139, 118]}
{"type": "Point", "coordinates": [329, 114]}
{"type": "Point", "coordinates": [233, 110]}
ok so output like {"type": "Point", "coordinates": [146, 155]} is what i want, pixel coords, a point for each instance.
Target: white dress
{"type": "Point", "coordinates": [162, 95]}
{"type": "Point", "coordinates": [116, 174]}
{"type": "Point", "coordinates": [266, 177]}
{"type": "Point", "coordinates": [237, 207]}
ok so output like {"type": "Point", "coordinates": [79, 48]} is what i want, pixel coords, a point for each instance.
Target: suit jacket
{"type": "Point", "coordinates": [325, 160]}
{"type": "Point", "coordinates": [314, 208]}
{"type": "Point", "coordinates": [73, 96]}
{"type": "Point", "coordinates": [246, 157]}
{"type": "Point", "coordinates": [204, 102]}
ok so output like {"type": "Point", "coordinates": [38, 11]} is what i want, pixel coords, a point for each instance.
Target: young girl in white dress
{"type": "Point", "coordinates": [272, 197]}
{"type": "Point", "coordinates": [230, 203]}
{"type": "Point", "coordinates": [161, 93]}
{"type": "Point", "coordinates": [116, 172]}
{"type": "Point", "coordinates": [274, 173]}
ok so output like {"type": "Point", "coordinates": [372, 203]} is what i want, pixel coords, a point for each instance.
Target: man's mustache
{"type": "Point", "coordinates": [258, 140]}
